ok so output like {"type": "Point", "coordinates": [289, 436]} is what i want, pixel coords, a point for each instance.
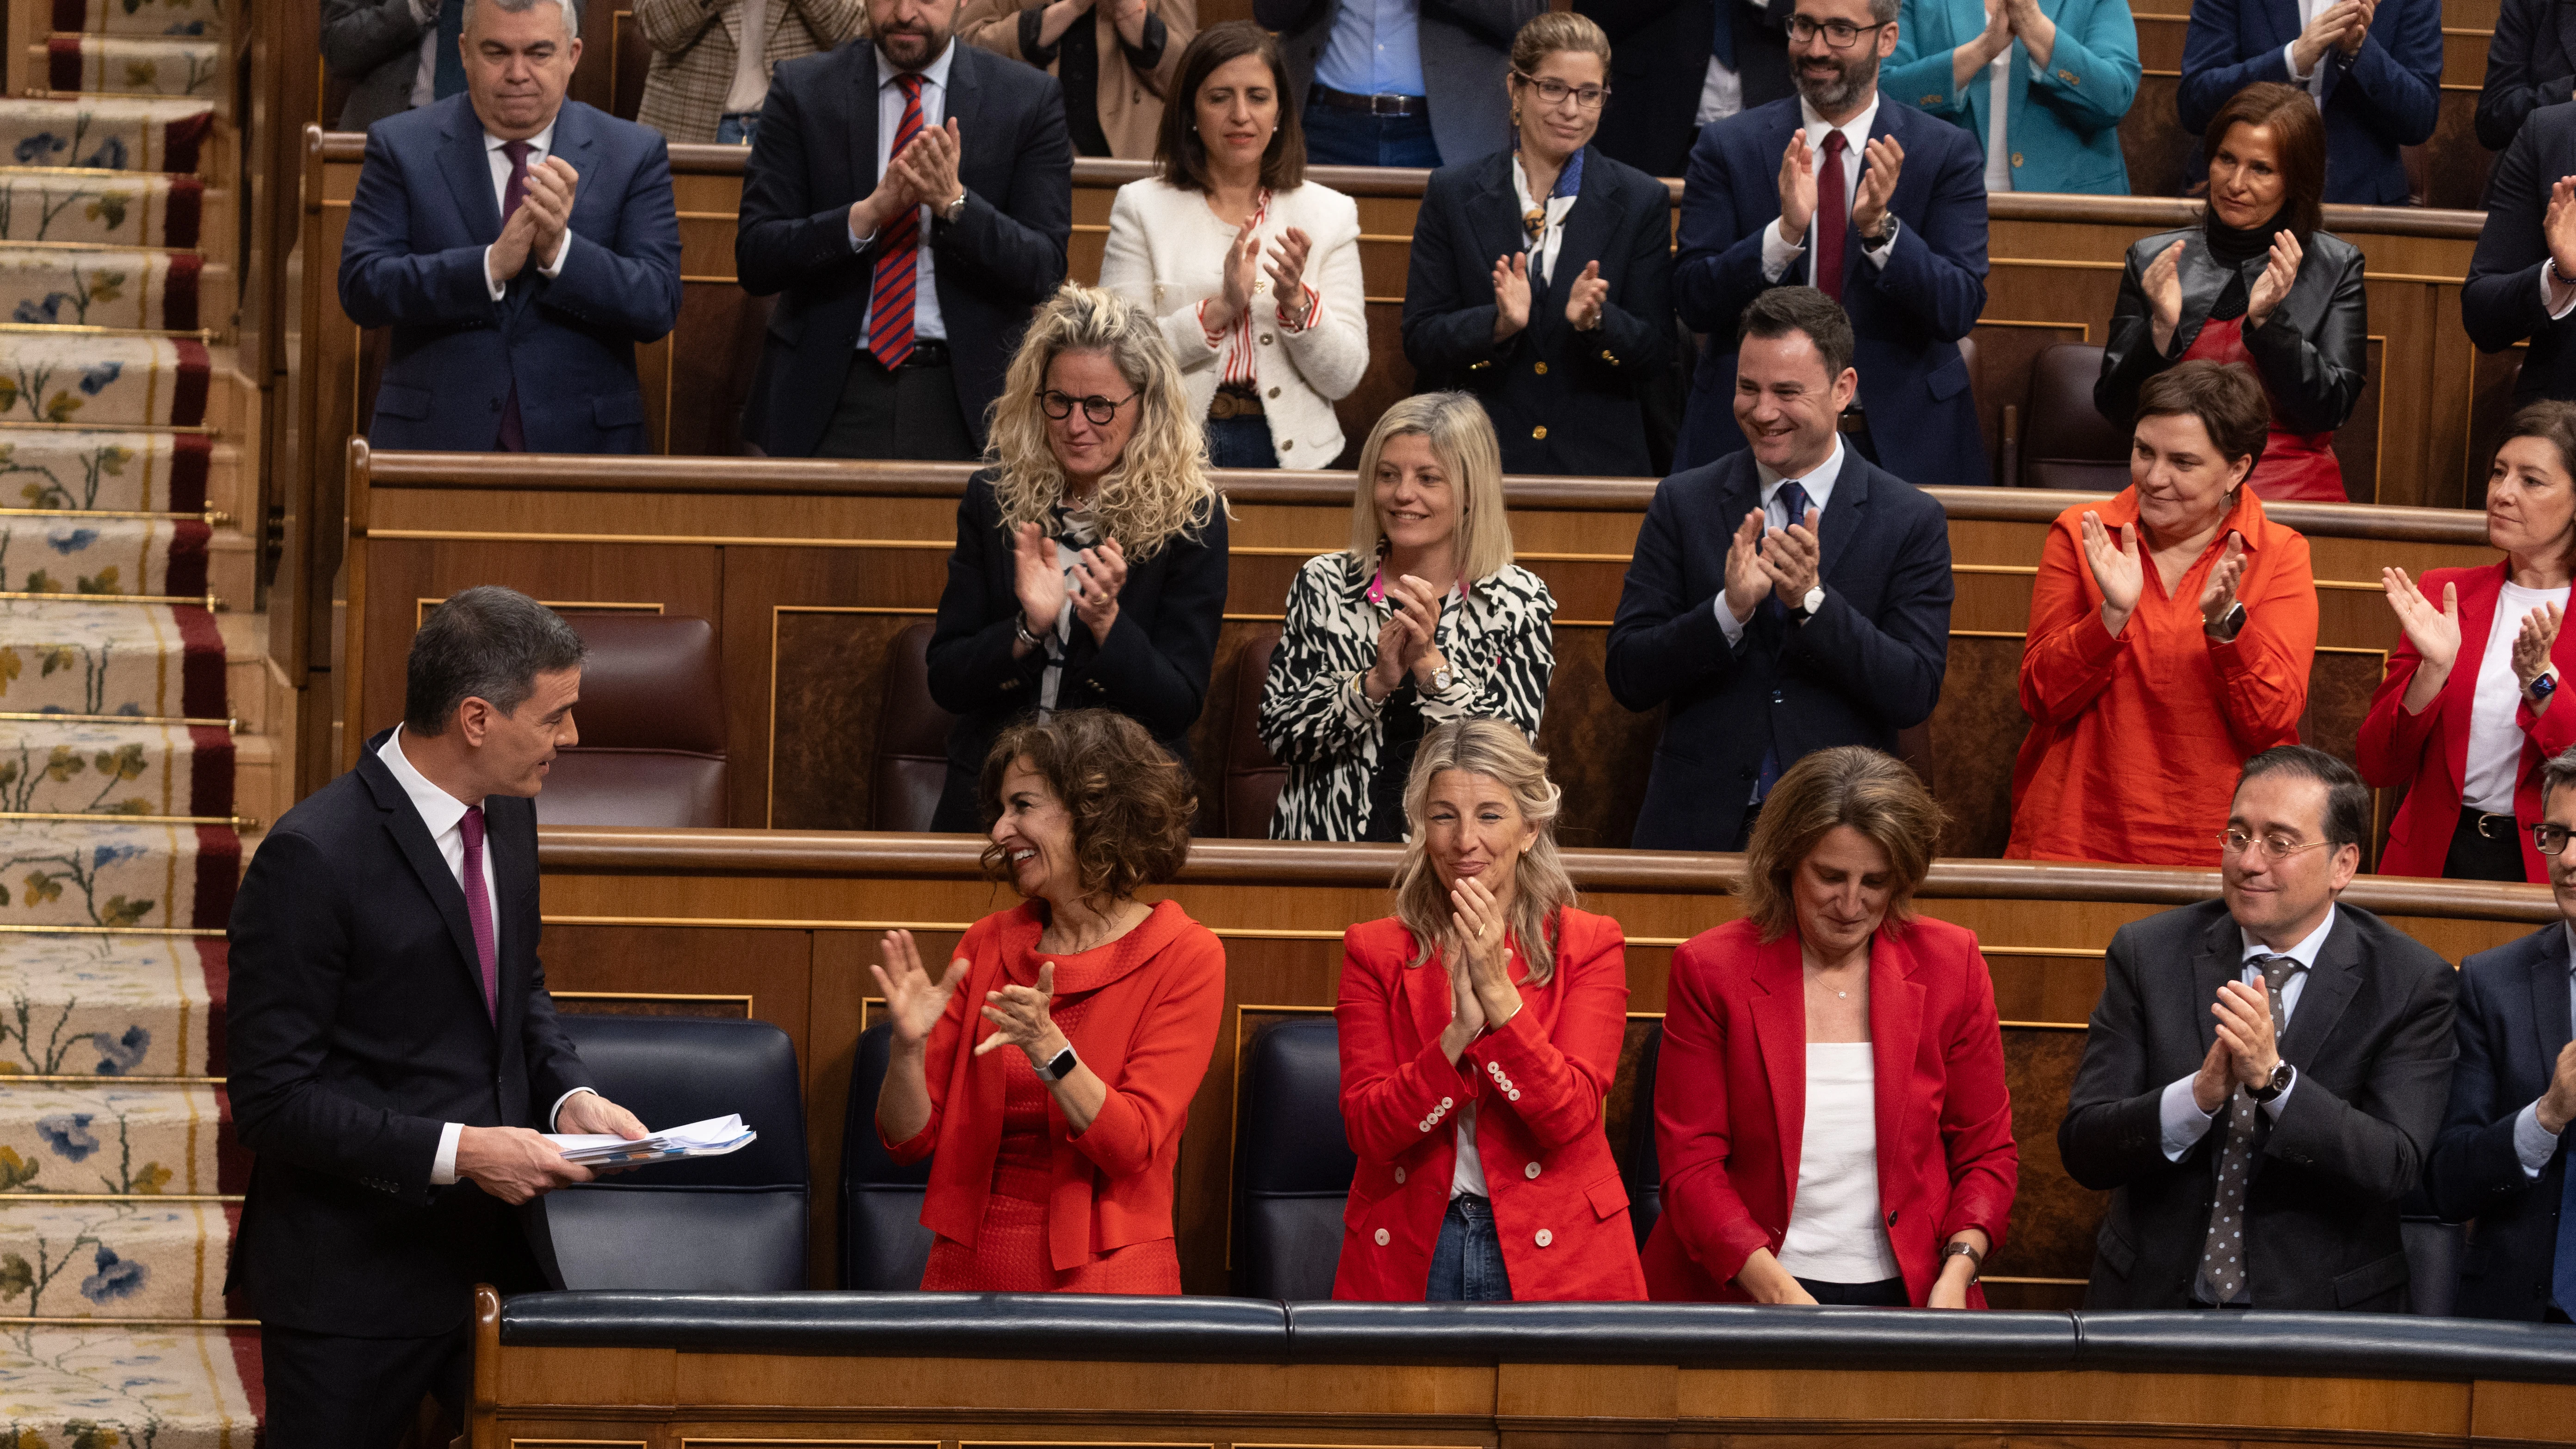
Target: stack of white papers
{"type": "Point", "coordinates": [713, 1137]}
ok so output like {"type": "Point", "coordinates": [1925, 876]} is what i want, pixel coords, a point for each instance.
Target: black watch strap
{"type": "Point", "coordinates": [1059, 1066]}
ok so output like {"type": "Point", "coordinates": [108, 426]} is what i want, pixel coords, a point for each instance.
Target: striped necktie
{"type": "Point", "coordinates": [890, 304]}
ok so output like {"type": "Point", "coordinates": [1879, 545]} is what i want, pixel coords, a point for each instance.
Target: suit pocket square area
{"type": "Point", "coordinates": [393, 400]}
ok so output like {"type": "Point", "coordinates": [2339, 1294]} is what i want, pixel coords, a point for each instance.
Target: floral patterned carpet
{"type": "Point", "coordinates": [120, 846]}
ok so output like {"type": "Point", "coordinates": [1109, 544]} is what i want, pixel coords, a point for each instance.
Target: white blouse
{"type": "Point", "coordinates": [2495, 742]}
{"type": "Point", "coordinates": [1836, 1234]}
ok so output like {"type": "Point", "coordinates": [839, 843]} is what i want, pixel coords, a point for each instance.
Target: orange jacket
{"type": "Point", "coordinates": [1148, 1033]}
{"type": "Point", "coordinates": [1559, 1207]}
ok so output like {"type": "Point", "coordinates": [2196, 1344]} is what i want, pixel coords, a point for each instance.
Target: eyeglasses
{"type": "Point", "coordinates": [1098, 409]}
{"type": "Point", "coordinates": [2271, 847]}
{"type": "Point", "coordinates": [1838, 33]}
{"type": "Point", "coordinates": [1554, 92]}
{"type": "Point", "coordinates": [2551, 839]}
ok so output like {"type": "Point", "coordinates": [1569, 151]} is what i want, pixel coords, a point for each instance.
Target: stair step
{"type": "Point", "coordinates": [150, 1387]}
{"type": "Point", "coordinates": [130, 17]}
{"type": "Point", "coordinates": [117, 873]}
{"type": "Point", "coordinates": [82, 767]}
{"type": "Point", "coordinates": [114, 208]}
{"type": "Point", "coordinates": [130, 288]}
{"type": "Point", "coordinates": [118, 470]}
{"type": "Point", "coordinates": [115, 133]}
{"type": "Point", "coordinates": [133, 65]}
{"type": "Point", "coordinates": [128, 1259]}
{"type": "Point", "coordinates": [114, 1138]}
{"type": "Point", "coordinates": [109, 1007]}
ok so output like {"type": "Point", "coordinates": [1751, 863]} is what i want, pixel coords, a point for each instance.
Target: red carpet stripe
{"type": "Point", "coordinates": [188, 390]}
{"type": "Point", "coordinates": [218, 873]}
{"type": "Point", "coordinates": [214, 957]}
{"type": "Point", "coordinates": [185, 572]}
{"type": "Point", "coordinates": [201, 679]}
{"type": "Point", "coordinates": [210, 772]}
{"type": "Point", "coordinates": [179, 301]}
{"type": "Point", "coordinates": [180, 140]}
{"type": "Point", "coordinates": [63, 63]}
{"type": "Point", "coordinates": [187, 207]}
{"type": "Point", "coordinates": [191, 460]}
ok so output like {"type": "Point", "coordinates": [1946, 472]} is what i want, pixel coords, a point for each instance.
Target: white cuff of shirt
{"type": "Point", "coordinates": [2290, 63]}
{"type": "Point", "coordinates": [1777, 254]}
{"type": "Point", "coordinates": [2181, 1119]}
{"type": "Point", "coordinates": [1727, 623]}
{"type": "Point", "coordinates": [1878, 258]}
{"type": "Point", "coordinates": [442, 1168]}
{"type": "Point", "coordinates": [500, 286]}
{"type": "Point", "coordinates": [2532, 1143]}
{"type": "Point", "coordinates": [2281, 1102]}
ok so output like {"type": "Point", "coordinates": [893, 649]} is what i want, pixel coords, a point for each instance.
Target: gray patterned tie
{"type": "Point", "coordinates": [2222, 1259]}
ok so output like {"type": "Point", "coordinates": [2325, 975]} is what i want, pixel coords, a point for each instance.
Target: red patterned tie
{"type": "Point", "coordinates": [1833, 218]}
{"type": "Point", "coordinates": [478, 911]}
{"type": "Point", "coordinates": [898, 252]}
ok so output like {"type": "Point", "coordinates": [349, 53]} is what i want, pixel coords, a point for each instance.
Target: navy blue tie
{"type": "Point", "coordinates": [1793, 499]}
{"type": "Point", "coordinates": [1722, 44]}
{"type": "Point", "coordinates": [448, 78]}
{"type": "Point", "coordinates": [2562, 1278]}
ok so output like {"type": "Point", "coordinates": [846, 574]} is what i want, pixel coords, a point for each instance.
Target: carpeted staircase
{"type": "Point", "coordinates": [131, 696]}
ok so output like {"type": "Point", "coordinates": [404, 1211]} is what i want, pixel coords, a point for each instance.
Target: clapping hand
{"type": "Point", "coordinates": [2358, 29]}
{"type": "Point", "coordinates": [2435, 633]}
{"type": "Point", "coordinates": [1098, 574]}
{"type": "Point", "coordinates": [1288, 273]}
{"type": "Point", "coordinates": [1036, 580]}
{"type": "Point", "coordinates": [1019, 1016]}
{"type": "Point", "coordinates": [1129, 17]}
{"type": "Point", "coordinates": [1792, 558]}
{"type": "Point", "coordinates": [2245, 1028]}
{"type": "Point", "coordinates": [1242, 272]}
{"type": "Point", "coordinates": [1747, 582]}
{"type": "Point", "coordinates": [1477, 924]}
{"type": "Point", "coordinates": [1797, 189]}
{"type": "Point", "coordinates": [551, 184]}
{"type": "Point", "coordinates": [1584, 300]}
{"type": "Point", "coordinates": [2218, 595]}
{"type": "Point", "coordinates": [1405, 640]}
{"type": "Point", "coordinates": [2559, 227]}
{"type": "Point", "coordinates": [2163, 286]}
{"type": "Point", "coordinates": [914, 1002]}
{"type": "Point", "coordinates": [2531, 646]}
{"type": "Point", "coordinates": [2325, 29]}
{"type": "Point", "coordinates": [2280, 270]}
{"type": "Point", "coordinates": [508, 255]}
{"type": "Point", "coordinates": [1883, 161]}
{"type": "Point", "coordinates": [1511, 294]}
{"type": "Point", "coordinates": [2117, 570]}
{"type": "Point", "coordinates": [929, 164]}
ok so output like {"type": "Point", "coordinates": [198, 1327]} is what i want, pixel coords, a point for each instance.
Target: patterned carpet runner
{"type": "Point", "coordinates": [120, 847]}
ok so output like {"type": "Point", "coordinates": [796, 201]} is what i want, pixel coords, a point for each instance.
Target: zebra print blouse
{"type": "Point", "coordinates": [1322, 726]}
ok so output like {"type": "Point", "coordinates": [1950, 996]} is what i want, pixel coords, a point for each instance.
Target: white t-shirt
{"type": "Point", "coordinates": [750, 64]}
{"type": "Point", "coordinates": [1467, 1179]}
{"type": "Point", "coordinates": [2495, 744]}
{"type": "Point", "coordinates": [1836, 1234]}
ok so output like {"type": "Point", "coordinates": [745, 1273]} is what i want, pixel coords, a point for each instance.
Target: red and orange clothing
{"type": "Point", "coordinates": [2136, 739]}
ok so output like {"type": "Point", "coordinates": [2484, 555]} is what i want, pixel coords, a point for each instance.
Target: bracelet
{"type": "Point", "coordinates": [1020, 631]}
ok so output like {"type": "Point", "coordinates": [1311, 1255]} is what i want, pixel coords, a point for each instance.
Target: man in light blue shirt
{"type": "Point", "coordinates": [1399, 82]}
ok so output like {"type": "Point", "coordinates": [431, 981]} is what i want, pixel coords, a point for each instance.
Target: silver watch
{"type": "Point", "coordinates": [1058, 1067]}
{"type": "Point", "coordinates": [955, 209]}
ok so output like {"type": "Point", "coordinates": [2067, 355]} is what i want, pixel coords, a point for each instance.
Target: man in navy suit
{"type": "Point", "coordinates": [2374, 66]}
{"type": "Point", "coordinates": [912, 199]}
{"type": "Point", "coordinates": [1878, 204]}
{"type": "Point", "coordinates": [1783, 599]}
{"type": "Point", "coordinates": [519, 245]}
{"type": "Point", "coordinates": [2519, 283]}
{"type": "Point", "coordinates": [2501, 1158]}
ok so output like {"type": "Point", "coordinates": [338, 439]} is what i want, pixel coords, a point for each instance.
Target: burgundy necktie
{"type": "Point", "coordinates": [513, 437]}
{"type": "Point", "coordinates": [1833, 218]}
{"type": "Point", "coordinates": [478, 911]}
{"type": "Point", "coordinates": [890, 302]}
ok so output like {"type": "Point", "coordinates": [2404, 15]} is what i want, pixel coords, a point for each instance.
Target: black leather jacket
{"type": "Point", "coordinates": [2312, 352]}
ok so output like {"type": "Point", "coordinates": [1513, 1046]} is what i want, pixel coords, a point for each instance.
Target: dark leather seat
{"type": "Point", "coordinates": [912, 744]}
{"type": "Point", "coordinates": [1292, 1164]}
{"type": "Point", "coordinates": [1252, 778]}
{"type": "Point", "coordinates": [1643, 1176]}
{"type": "Point", "coordinates": [2434, 1252]}
{"type": "Point", "coordinates": [651, 719]}
{"type": "Point", "coordinates": [1096, 1326]}
{"type": "Point", "coordinates": [720, 1224]}
{"type": "Point", "coordinates": [2066, 442]}
{"type": "Point", "coordinates": [883, 1244]}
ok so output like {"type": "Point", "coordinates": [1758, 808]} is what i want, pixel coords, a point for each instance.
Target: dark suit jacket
{"type": "Point", "coordinates": [1659, 66]}
{"type": "Point", "coordinates": [2513, 1025]}
{"type": "Point", "coordinates": [1868, 665]}
{"type": "Point", "coordinates": [2501, 304]}
{"type": "Point", "coordinates": [375, 46]}
{"type": "Point", "coordinates": [816, 154]}
{"type": "Point", "coordinates": [1154, 668]}
{"type": "Point", "coordinates": [1562, 401]}
{"type": "Point", "coordinates": [1466, 48]}
{"type": "Point", "coordinates": [413, 261]}
{"type": "Point", "coordinates": [2371, 1038]}
{"type": "Point", "coordinates": [1908, 317]}
{"type": "Point", "coordinates": [2381, 99]}
{"type": "Point", "coordinates": [356, 1027]}
{"type": "Point", "coordinates": [2312, 352]}
{"type": "Point", "coordinates": [2531, 62]}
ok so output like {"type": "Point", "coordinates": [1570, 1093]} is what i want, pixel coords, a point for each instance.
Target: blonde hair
{"type": "Point", "coordinates": [1462, 438]}
{"type": "Point", "coordinates": [1854, 785]}
{"type": "Point", "coordinates": [1554, 31]}
{"type": "Point", "coordinates": [1497, 750]}
{"type": "Point", "coordinates": [1160, 489]}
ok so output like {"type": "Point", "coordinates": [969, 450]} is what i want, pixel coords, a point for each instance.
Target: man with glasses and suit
{"type": "Point", "coordinates": [2264, 1077]}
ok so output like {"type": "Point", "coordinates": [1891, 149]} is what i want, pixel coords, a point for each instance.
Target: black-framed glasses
{"type": "Point", "coordinates": [2551, 840]}
{"type": "Point", "coordinates": [1098, 409]}
{"type": "Point", "coordinates": [1553, 92]}
{"type": "Point", "coordinates": [2273, 846]}
{"type": "Point", "coordinates": [1838, 33]}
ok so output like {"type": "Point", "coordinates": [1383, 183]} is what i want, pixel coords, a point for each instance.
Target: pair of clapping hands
{"type": "Point", "coordinates": [2435, 633]}
{"type": "Point", "coordinates": [1481, 994]}
{"type": "Point", "coordinates": [1762, 562]}
{"type": "Point", "coordinates": [1583, 300]}
{"type": "Point", "coordinates": [2341, 26]}
{"type": "Point", "coordinates": [1098, 574]}
{"type": "Point", "coordinates": [1885, 160]}
{"type": "Point", "coordinates": [923, 173]}
{"type": "Point", "coordinates": [2163, 286]}
{"type": "Point", "coordinates": [1407, 642]}
{"type": "Point", "coordinates": [1021, 1015]}
{"type": "Point", "coordinates": [2005, 19]}
{"type": "Point", "coordinates": [2120, 570]}
{"type": "Point", "coordinates": [2244, 1054]}
{"type": "Point", "coordinates": [534, 230]}
{"type": "Point", "coordinates": [1243, 268]}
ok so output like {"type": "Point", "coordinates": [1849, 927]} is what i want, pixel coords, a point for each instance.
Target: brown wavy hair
{"type": "Point", "coordinates": [1131, 803]}
{"type": "Point", "coordinates": [1181, 157]}
{"type": "Point", "coordinates": [2298, 133]}
{"type": "Point", "coordinates": [1852, 785]}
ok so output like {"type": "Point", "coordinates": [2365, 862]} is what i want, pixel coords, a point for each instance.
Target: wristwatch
{"type": "Point", "coordinates": [2230, 624]}
{"type": "Point", "coordinates": [1807, 605]}
{"type": "Point", "coordinates": [955, 209]}
{"type": "Point", "coordinates": [1020, 631]}
{"type": "Point", "coordinates": [1056, 1068]}
{"type": "Point", "coordinates": [1976, 1260]}
{"type": "Point", "coordinates": [1441, 679]}
{"type": "Point", "coordinates": [2543, 687]}
{"type": "Point", "coordinates": [2282, 1075]}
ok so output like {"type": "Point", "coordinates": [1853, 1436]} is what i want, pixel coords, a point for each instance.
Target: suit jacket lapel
{"type": "Point", "coordinates": [512, 871]}
{"type": "Point", "coordinates": [861, 97]}
{"type": "Point", "coordinates": [2566, 37]}
{"type": "Point", "coordinates": [1842, 520]}
{"type": "Point", "coordinates": [1498, 215]}
{"type": "Point", "coordinates": [413, 836]}
{"type": "Point", "coordinates": [463, 160]}
{"type": "Point", "coordinates": [1895, 1031]}
{"type": "Point", "coordinates": [1587, 231]}
{"type": "Point", "coordinates": [2218, 962]}
{"type": "Point", "coordinates": [1780, 1027]}
{"type": "Point", "coordinates": [2332, 983]}
{"type": "Point", "coordinates": [2549, 993]}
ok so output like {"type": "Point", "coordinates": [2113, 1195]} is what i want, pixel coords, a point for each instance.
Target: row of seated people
{"type": "Point", "coordinates": [908, 254]}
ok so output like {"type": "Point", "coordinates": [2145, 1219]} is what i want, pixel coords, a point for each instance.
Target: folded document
{"type": "Point", "coordinates": [713, 1137]}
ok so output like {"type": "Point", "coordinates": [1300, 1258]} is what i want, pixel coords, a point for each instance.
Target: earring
{"type": "Point", "coordinates": [1516, 116]}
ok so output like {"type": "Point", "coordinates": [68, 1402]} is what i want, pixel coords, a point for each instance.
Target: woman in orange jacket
{"type": "Point", "coordinates": [1057, 1115]}
{"type": "Point", "coordinates": [1480, 1028]}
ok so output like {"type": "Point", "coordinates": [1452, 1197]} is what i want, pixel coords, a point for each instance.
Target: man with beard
{"type": "Point", "coordinates": [912, 198]}
{"type": "Point", "coordinates": [1881, 207]}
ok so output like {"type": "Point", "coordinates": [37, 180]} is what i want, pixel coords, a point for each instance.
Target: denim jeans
{"type": "Point", "coordinates": [735, 128]}
{"type": "Point", "coordinates": [1241, 443]}
{"type": "Point", "coordinates": [1353, 138]}
{"type": "Point", "coordinates": [1467, 1264]}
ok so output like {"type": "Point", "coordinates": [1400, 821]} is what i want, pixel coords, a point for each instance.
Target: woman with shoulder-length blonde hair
{"type": "Point", "coordinates": [1090, 561]}
{"type": "Point", "coordinates": [1480, 1029]}
{"type": "Point", "coordinates": [1830, 1110]}
{"type": "Point", "coordinates": [1424, 620]}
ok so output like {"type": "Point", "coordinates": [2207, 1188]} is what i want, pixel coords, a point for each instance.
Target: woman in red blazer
{"type": "Point", "coordinates": [1830, 1111]}
{"type": "Point", "coordinates": [2470, 705]}
{"type": "Point", "coordinates": [1054, 1166]}
{"type": "Point", "coordinates": [1480, 1028]}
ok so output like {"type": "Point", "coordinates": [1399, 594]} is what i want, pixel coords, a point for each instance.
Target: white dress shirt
{"type": "Point", "coordinates": [540, 146]}
{"type": "Point", "coordinates": [1819, 484]}
{"type": "Point", "coordinates": [1835, 1234]}
{"type": "Point", "coordinates": [927, 324]}
{"type": "Point", "coordinates": [444, 814]}
{"type": "Point", "coordinates": [1998, 115]}
{"type": "Point", "coordinates": [2181, 1118]}
{"type": "Point", "coordinates": [2533, 1143]}
{"type": "Point", "coordinates": [1777, 253]}
{"type": "Point", "coordinates": [2314, 82]}
{"type": "Point", "coordinates": [424, 86]}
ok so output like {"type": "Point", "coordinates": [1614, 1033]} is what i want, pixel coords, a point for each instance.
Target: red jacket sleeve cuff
{"type": "Point", "coordinates": [914, 1148]}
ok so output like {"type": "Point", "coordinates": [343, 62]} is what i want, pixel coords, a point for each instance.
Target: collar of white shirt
{"type": "Point", "coordinates": [2305, 952]}
{"type": "Point", "coordinates": [936, 73]}
{"type": "Point", "coordinates": [1855, 135]}
{"type": "Point", "coordinates": [540, 145]}
{"type": "Point", "coordinates": [1819, 482]}
{"type": "Point", "coordinates": [439, 810]}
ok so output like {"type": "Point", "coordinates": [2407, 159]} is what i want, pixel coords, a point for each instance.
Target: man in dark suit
{"type": "Point", "coordinates": [1676, 67]}
{"type": "Point", "coordinates": [2265, 1073]}
{"type": "Point", "coordinates": [2519, 283]}
{"type": "Point", "coordinates": [2531, 63]}
{"type": "Point", "coordinates": [1780, 600]}
{"type": "Point", "coordinates": [2374, 67]}
{"type": "Point", "coordinates": [393, 1051]}
{"type": "Point", "coordinates": [912, 199]}
{"type": "Point", "coordinates": [2500, 1160]}
{"type": "Point", "coordinates": [519, 245]}
{"type": "Point", "coordinates": [1398, 82]}
{"type": "Point", "coordinates": [1878, 204]}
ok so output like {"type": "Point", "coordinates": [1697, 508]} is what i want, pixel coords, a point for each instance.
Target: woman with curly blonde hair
{"type": "Point", "coordinates": [1090, 561]}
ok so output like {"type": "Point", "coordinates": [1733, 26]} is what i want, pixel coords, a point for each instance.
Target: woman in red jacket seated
{"type": "Point", "coordinates": [1480, 1028]}
{"type": "Point", "coordinates": [1056, 1108]}
{"type": "Point", "coordinates": [2470, 708]}
{"type": "Point", "coordinates": [1830, 1111]}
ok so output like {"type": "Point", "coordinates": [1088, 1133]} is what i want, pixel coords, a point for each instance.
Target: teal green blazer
{"type": "Point", "coordinates": [2064, 122]}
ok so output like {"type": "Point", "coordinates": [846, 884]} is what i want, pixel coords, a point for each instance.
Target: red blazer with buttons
{"type": "Point", "coordinates": [1559, 1207]}
{"type": "Point", "coordinates": [2427, 755]}
{"type": "Point", "coordinates": [1731, 1103]}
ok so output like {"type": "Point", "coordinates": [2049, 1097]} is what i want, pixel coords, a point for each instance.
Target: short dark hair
{"type": "Point", "coordinates": [1181, 156]}
{"type": "Point", "coordinates": [2557, 772]}
{"type": "Point", "coordinates": [2225, 397]}
{"type": "Point", "coordinates": [2298, 134]}
{"type": "Point", "coordinates": [487, 643]}
{"type": "Point", "coordinates": [1131, 803]}
{"type": "Point", "coordinates": [1782, 310]}
{"type": "Point", "coordinates": [2347, 819]}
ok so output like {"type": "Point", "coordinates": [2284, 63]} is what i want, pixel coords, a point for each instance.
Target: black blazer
{"type": "Point", "coordinates": [1659, 66]}
{"type": "Point", "coordinates": [816, 154]}
{"type": "Point", "coordinates": [1562, 401]}
{"type": "Point", "coordinates": [2513, 1025]}
{"type": "Point", "coordinates": [2313, 352]}
{"type": "Point", "coordinates": [356, 1028]}
{"type": "Point", "coordinates": [2501, 304]}
{"type": "Point", "coordinates": [2371, 1038]}
{"type": "Point", "coordinates": [1868, 665]}
{"type": "Point", "coordinates": [2531, 62]}
{"type": "Point", "coordinates": [1154, 668]}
